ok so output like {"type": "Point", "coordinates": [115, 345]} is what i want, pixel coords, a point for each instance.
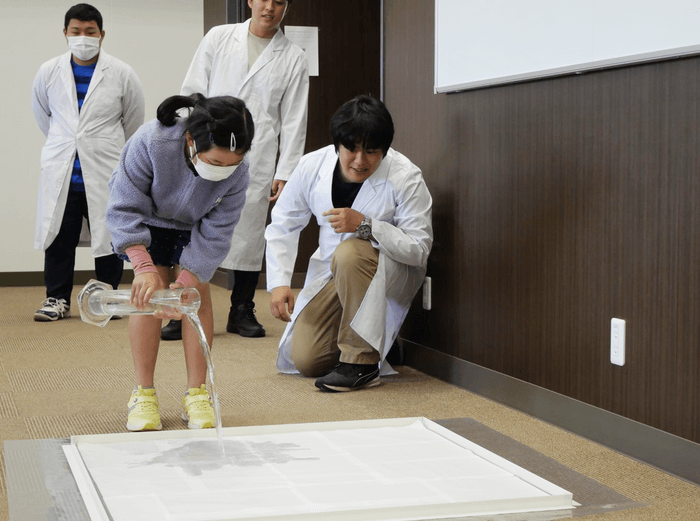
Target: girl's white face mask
{"type": "Point", "coordinates": [84, 47]}
{"type": "Point", "coordinates": [211, 172]}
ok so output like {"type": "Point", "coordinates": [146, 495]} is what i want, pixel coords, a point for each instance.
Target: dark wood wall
{"type": "Point", "coordinates": [558, 205]}
{"type": "Point", "coordinates": [349, 43]}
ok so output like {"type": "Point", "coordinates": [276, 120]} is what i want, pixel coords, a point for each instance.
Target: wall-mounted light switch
{"type": "Point", "coordinates": [617, 341]}
{"type": "Point", "coordinates": [427, 293]}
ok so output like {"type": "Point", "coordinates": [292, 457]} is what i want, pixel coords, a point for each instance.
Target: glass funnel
{"type": "Point", "coordinates": [98, 302]}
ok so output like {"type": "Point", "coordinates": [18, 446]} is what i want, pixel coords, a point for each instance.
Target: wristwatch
{"type": "Point", "coordinates": [364, 231]}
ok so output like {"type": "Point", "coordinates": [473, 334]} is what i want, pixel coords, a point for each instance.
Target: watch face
{"type": "Point", "coordinates": [364, 231]}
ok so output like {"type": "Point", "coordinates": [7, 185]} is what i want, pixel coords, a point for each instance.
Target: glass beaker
{"type": "Point", "coordinates": [98, 302]}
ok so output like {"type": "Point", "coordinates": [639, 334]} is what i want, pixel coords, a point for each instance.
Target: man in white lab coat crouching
{"type": "Point", "coordinates": [87, 103]}
{"type": "Point", "coordinates": [374, 212]}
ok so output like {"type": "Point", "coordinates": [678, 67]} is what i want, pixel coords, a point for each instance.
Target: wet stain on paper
{"type": "Point", "coordinates": [199, 456]}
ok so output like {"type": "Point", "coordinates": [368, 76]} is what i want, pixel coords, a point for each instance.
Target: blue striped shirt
{"type": "Point", "coordinates": [82, 75]}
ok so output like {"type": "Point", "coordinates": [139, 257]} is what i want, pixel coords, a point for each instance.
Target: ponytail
{"type": "Point", "coordinates": [167, 111]}
{"type": "Point", "coordinates": [219, 121]}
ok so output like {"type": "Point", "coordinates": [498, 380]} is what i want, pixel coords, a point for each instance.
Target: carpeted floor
{"type": "Point", "coordinates": [65, 378]}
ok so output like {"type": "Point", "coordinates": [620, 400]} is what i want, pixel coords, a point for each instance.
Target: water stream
{"type": "Point", "coordinates": [193, 318]}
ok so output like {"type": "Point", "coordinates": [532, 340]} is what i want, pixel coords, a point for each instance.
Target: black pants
{"type": "Point", "coordinates": [244, 284]}
{"type": "Point", "coordinates": [59, 258]}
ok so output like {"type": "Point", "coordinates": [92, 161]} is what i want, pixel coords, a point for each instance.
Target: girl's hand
{"type": "Point", "coordinates": [143, 287]}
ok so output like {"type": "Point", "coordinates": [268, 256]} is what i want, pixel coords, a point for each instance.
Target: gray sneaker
{"type": "Point", "coordinates": [52, 309]}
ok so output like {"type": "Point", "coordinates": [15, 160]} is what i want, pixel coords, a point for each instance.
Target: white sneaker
{"type": "Point", "coordinates": [52, 309]}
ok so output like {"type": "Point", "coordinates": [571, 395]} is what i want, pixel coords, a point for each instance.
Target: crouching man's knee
{"type": "Point", "coordinates": [353, 255]}
{"type": "Point", "coordinates": [313, 362]}
{"type": "Point", "coordinates": [314, 367]}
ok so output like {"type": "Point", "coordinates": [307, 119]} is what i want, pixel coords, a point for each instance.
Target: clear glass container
{"type": "Point", "coordinates": [98, 302]}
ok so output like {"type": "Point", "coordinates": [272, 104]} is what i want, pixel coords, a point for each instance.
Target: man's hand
{"type": "Point", "coordinates": [277, 186]}
{"type": "Point", "coordinates": [343, 220]}
{"type": "Point", "coordinates": [282, 303]}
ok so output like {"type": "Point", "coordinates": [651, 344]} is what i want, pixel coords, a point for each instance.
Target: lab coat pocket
{"type": "Point", "coordinates": [104, 103]}
{"type": "Point", "coordinates": [273, 90]}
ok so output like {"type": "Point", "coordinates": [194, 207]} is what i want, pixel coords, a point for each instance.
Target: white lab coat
{"type": "Point", "coordinates": [397, 200]}
{"type": "Point", "coordinates": [112, 110]}
{"type": "Point", "coordinates": [276, 91]}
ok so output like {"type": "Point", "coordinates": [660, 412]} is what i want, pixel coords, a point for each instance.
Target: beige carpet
{"type": "Point", "coordinates": [65, 378]}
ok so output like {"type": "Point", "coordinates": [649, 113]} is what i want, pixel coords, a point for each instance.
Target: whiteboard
{"type": "Point", "coordinates": [479, 43]}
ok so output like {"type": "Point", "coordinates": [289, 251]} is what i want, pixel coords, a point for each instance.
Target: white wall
{"type": "Point", "coordinates": [156, 37]}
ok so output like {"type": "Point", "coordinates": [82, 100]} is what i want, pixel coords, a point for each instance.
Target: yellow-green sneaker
{"type": "Point", "coordinates": [197, 410]}
{"type": "Point", "coordinates": [143, 411]}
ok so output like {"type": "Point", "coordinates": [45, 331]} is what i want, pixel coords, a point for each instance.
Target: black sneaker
{"type": "Point", "coordinates": [242, 321]}
{"type": "Point", "coordinates": [172, 330]}
{"type": "Point", "coordinates": [349, 377]}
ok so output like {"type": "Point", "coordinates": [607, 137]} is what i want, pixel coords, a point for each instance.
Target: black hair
{"type": "Point", "coordinates": [211, 120]}
{"type": "Point", "coordinates": [362, 120]}
{"type": "Point", "coordinates": [83, 13]}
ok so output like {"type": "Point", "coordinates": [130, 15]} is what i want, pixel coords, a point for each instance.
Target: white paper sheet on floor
{"type": "Point", "coordinates": [396, 469]}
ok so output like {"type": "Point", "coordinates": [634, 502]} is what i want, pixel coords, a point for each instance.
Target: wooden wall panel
{"type": "Point", "coordinates": [558, 205]}
{"type": "Point", "coordinates": [349, 58]}
{"type": "Point", "coordinates": [349, 64]}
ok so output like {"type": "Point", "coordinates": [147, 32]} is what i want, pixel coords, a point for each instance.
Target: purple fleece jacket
{"type": "Point", "coordinates": [153, 185]}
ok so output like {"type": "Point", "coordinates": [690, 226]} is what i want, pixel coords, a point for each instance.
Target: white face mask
{"type": "Point", "coordinates": [84, 47]}
{"type": "Point", "coordinates": [211, 172]}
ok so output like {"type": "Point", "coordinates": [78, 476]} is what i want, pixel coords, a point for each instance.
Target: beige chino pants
{"type": "Point", "coordinates": [322, 334]}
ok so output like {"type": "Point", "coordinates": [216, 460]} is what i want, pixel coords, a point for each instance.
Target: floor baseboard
{"type": "Point", "coordinates": [222, 278]}
{"type": "Point", "coordinates": [36, 278]}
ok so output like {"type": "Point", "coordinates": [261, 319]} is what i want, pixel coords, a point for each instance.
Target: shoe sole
{"type": "Point", "coordinates": [194, 425]}
{"type": "Point", "coordinates": [235, 331]}
{"type": "Point", "coordinates": [133, 428]}
{"type": "Point", "coordinates": [41, 317]}
{"type": "Point", "coordinates": [337, 389]}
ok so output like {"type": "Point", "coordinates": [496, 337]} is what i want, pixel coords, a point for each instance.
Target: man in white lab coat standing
{"type": "Point", "coordinates": [87, 103]}
{"type": "Point", "coordinates": [255, 62]}
{"type": "Point", "coordinates": [375, 217]}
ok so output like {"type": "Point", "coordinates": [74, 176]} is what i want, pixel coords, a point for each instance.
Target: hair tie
{"type": "Point", "coordinates": [211, 137]}
{"type": "Point", "coordinates": [233, 143]}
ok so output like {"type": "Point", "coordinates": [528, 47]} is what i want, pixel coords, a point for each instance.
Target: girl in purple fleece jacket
{"type": "Point", "coordinates": [175, 198]}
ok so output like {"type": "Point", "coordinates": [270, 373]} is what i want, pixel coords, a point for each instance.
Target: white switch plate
{"type": "Point", "coordinates": [617, 341]}
{"type": "Point", "coordinates": [427, 293]}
